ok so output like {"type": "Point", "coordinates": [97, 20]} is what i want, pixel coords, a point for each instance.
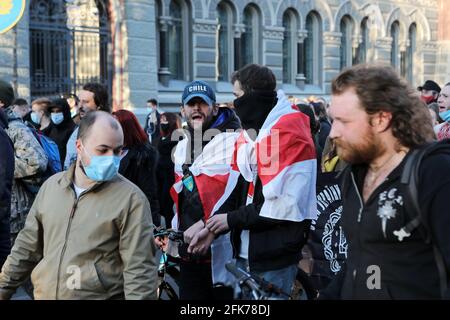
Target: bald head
{"type": "Point", "coordinates": [97, 121]}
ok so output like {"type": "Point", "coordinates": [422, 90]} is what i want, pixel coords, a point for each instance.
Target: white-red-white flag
{"type": "Point", "coordinates": [283, 156]}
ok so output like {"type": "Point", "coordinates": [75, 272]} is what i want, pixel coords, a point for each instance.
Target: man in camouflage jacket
{"type": "Point", "coordinates": [30, 161]}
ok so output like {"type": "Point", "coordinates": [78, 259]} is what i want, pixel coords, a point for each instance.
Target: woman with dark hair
{"type": "Point", "coordinates": [165, 169]}
{"type": "Point", "coordinates": [62, 124]}
{"type": "Point", "coordinates": [139, 161]}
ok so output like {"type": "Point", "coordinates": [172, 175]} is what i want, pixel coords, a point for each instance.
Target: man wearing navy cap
{"type": "Point", "coordinates": [204, 120]}
{"type": "Point", "coordinates": [429, 92]}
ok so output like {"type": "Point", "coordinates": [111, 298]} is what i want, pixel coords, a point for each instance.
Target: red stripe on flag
{"type": "Point", "coordinates": [239, 142]}
{"type": "Point", "coordinates": [210, 190]}
{"type": "Point", "coordinates": [289, 142]}
{"type": "Point", "coordinates": [174, 193]}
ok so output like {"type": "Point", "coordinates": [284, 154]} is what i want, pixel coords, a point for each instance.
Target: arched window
{"type": "Point", "coordinates": [395, 46]}
{"type": "Point", "coordinates": [313, 49]}
{"type": "Point", "coordinates": [346, 42]}
{"type": "Point", "coordinates": [69, 45]}
{"type": "Point", "coordinates": [175, 50]}
{"type": "Point", "coordinates": [290, 25]}
{"type": "Point", "coordinates": [361, 56]}
{"type": "Point", "coordinates": [412, 36]}
{"type": "Point", "coordinates": [225, 45]}
{"type": "Point", "coordinates": [251, 49]}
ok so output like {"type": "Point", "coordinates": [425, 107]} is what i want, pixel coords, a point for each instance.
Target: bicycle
{"type": "Point", "coordinates": [168, 262]}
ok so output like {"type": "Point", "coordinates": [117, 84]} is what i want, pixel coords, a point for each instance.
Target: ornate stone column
{"type": "Point", "coordinates": [238, 30]}
{"type": "Point", "coordinates": [300, 78]}
{"type": "Point", "coordinates": [164, 74]}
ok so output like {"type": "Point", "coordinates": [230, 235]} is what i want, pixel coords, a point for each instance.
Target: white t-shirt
{"type": "Point", "coordinates": [78, 190]}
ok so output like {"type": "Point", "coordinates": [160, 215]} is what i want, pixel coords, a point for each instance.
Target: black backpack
{"type": "Point", "coordinates": [410, 178]}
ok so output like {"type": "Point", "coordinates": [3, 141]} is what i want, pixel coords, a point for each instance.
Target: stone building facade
{"type": "Point", "coordinates": [143, 49]}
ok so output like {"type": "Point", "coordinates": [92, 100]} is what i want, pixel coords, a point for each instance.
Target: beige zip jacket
{"type": "Point", "coordinates": [99, 246]}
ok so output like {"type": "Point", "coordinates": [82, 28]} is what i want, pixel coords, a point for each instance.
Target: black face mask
{"type": "Point", "coordinates": [165, 127]}
{"type": "Point", "coordinates": [253, 108]}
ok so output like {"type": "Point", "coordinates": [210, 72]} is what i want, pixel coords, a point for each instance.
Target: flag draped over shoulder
{"type": "Point", "coordinates": [284, 158]}
{"type": "Point", "coordinates": [211, 171]}
{"type": "Point", "coordinates": [215, 181]}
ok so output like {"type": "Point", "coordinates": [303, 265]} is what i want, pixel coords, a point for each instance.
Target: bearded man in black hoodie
{"type": "Point", "coordinates": [206, 122]}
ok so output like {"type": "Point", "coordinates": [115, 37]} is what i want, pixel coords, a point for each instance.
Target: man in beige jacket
{"type": "Point", "coordinates": [89, 232]}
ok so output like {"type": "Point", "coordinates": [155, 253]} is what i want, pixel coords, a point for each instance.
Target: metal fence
{"type": "Point", "coordinates": [65, 52]}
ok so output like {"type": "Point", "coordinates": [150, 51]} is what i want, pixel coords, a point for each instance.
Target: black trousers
{"type": "Point", "coordinates": [195, 281]}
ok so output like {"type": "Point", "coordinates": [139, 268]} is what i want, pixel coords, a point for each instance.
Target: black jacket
{"type": "Point", "coordinates": [327, 242]}
{"type": "Point", "coordinates": [139, 166]}
{"type": "Point", "coordinates": [408, 269]}
{"type": "Point", "coordinates": [6, 178]}
{"type": "Point", "coordinates": [165, 178]}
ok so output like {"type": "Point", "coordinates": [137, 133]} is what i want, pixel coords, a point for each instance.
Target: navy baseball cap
{"type": "Point", "coordinates": [199, 89]}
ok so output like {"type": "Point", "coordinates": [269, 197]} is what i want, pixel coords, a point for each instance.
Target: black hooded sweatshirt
{"type": "Point", "coordinates": [6, 179]}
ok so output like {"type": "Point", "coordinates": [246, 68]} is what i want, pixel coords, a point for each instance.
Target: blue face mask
{"type": "Point", "coordinates": [57, 118]}
{"type": "Point", "coordinates": [445, 115]}
{"type": "Point", "coordinates": [35, 118]}
{"type": "Point", "coordinates": [102, 168]}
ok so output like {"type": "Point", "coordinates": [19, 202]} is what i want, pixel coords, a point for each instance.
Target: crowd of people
{"type": "Point", "coordinates": [352, 191]}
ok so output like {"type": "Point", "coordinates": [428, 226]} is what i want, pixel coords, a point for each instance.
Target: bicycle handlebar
{"type": "Point", "coordinates": [245, 279]}
{"type": "Point", "coordinates": [173, 235]}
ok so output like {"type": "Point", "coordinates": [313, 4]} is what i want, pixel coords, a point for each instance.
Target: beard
{"type": "Point", "coordinates": [360, 153]}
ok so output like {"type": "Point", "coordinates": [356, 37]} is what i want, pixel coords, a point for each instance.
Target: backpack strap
{"type": "Point", "coordinates": [410, 178]}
